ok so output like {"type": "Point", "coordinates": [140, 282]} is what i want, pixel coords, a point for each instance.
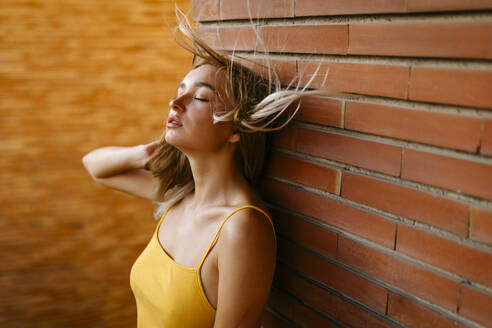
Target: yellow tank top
{"type": "Point", "coordinates": [169, 294]}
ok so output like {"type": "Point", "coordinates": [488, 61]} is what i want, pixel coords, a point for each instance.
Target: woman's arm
{"type": "Point", "coordinates": [108, 161]}
{"type": "Point", "coordinates": [246, 261]}
{"type": "Point", "coordinates": [121, 168]}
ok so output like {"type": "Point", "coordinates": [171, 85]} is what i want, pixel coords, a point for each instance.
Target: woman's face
{"type": "Point", "coordinates": [190, 121]}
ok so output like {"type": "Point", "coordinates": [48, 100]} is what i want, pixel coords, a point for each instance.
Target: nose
{"type": "Point", "coordinates": [176, 104]}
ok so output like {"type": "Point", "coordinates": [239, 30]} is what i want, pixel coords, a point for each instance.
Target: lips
{"type": "Point", "coordinates": [174, 121]}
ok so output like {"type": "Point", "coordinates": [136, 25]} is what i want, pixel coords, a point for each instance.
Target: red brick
{"type": "Point", "coordinates": [367, 154]}
{"type": "Point", "coordinates": [333, 276]}
{"type": "Point", "coordinates": [481, 225]}
{"type": "Point", "coordinates": [270, 320]}
{"type": "Point", "coordinates": [465, 87]}
{"type": "Point", "coordinates": [313, 175]}
{"type": "Point", "coordinates": [308, 318]}
{"type": "Point", "coordinates": [257, 9]}
{"type": "Point", "coordinates": [342, 216]}
{"type": "Point", "coordinates": [456, 39]}
{"type": "Point", "coordinates": [434, 210]}
{"type": "Point", "coordinates": [459, 259]}
{"type": "Point", "coordinates": [369, 79]}
{"type": "Point", "coordinates": [412, 314]}
{"type": "Point", "coordinates": [342, 7]}
{"type": "Point", "coordinates": [486, 146]}
{"type": "Point", "coordinates": [307, 292]}
{"type": "Point", "coordinates": [443, 5]}
{"type": "Point", "coordinates": [316, 238]}
{"type": "Point", "coordinates": [320, 39]}
{"type": "Point", "coordinates": [475, 305]}
{"type": "Point", "coordinates": [335, 307]}
{"type": "Point", "coordinates": [452, 173]}
{"type": "Point", "coordinates": [446, 130]}
{"type": "Point", "coordinates": [280, 303]}
{"type": "Point", "coordinates": [286, 137]}
{"type": "Point", "coordinates": [417, 281]}
{"type": "Point", "coordinates": [320, 110]}
{"type": "Point", "coordinates": [354, 316]}
{"type": "Point", "coordinates": [229, 38]}
{"type": "Point", "coordinates": [286, 70]}
{"type": "Point", "coordinates": [205, 10]}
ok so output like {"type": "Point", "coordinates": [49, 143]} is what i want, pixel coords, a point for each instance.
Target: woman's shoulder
{"type": "Point", "coordinates": [249, 215]}
{"type": "Point", "coordinates": [250, 231]}
{"type": "Point", "coordinates": [252, 200]}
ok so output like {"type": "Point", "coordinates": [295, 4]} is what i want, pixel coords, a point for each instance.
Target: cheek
{"type": "Point", "coordinates": [212, 136]}
{"type": "Point", "coordinates": [201, 123]}
{"type": "Point", "coordinates": [211, 133]}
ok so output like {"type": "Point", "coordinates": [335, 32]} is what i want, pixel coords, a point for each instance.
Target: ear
{"type": "Point", "coordinates": [234, 137]}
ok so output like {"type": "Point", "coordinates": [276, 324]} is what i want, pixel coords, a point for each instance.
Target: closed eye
{"type": "Point", "coordinates": [201, 99]}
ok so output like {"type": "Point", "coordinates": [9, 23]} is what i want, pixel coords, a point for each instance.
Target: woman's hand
{"type": "Point", "coordinates": [146, 152]}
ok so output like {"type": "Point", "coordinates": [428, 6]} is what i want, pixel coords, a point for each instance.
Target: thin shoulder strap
{"type": "Point", "coordinates": [165, 212]}
{"type": "Point", "coordinates": [162, 218]}
{"type": "Point", "coordinates": [224, 221]}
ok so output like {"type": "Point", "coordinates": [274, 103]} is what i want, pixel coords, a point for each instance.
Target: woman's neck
{"type": "Point", "coordinates": [217, 179]}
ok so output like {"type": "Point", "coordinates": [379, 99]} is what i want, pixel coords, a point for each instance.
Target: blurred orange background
{"type": "Point", "coordinates": [75, 76]}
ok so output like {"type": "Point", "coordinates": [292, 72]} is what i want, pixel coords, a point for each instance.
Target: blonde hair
{"type": "Point", "coordinates": [255, 104]}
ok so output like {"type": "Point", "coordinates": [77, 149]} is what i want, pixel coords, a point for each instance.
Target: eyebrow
{"type": "Point", "coordinates": [199, 84]}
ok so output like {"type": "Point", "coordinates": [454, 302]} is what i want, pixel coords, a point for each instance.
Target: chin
{"type": "Point", "coordinates": [199, 143]}
{"type": "Point", "coordinates": [170, 136]}
{"type": "Point", "coordinates": [174, 141]}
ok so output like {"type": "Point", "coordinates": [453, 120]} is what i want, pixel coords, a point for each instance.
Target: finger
{"type": "Point", "coordinates": [152, 147]}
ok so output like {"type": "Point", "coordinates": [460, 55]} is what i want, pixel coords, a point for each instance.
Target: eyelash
{"type": "Point", "coordinates": [201, 99]}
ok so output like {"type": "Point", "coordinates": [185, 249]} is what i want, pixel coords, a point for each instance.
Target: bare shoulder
{"type": "Point", "coordinates": [249, 228]}
{"type": "Point", "coordinates": [246, 265]}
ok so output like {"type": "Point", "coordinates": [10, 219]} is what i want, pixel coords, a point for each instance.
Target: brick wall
{"type": "Point", "coordinates": [74, 76]}
{"type": "Point", "coordinates": [383, 199]}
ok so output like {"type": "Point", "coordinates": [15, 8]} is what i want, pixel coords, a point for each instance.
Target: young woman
{"type": "Point", "coordinates": [211, 259]}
